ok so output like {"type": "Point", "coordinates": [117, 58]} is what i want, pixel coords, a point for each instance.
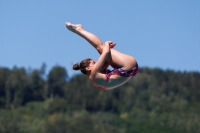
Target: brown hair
{"type": "Point", "coordinates": [82, 66]}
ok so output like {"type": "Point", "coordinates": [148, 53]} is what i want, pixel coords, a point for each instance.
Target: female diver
{"type": "Point", "coordinates": [124, 66]}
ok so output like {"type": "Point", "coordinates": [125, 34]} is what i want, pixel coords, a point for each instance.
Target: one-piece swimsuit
{"type": "Point", "coordinates": [131, 73]}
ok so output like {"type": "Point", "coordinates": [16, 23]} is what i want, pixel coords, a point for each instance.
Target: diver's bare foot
{"type": "Point", "coordinates": [73, 27]}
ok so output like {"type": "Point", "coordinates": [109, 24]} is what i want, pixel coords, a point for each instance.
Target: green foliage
{"type": "Point", "coordinates": [56, 80]}
{"type": "Point", "coordinates": [57, 105]}
{"type": "Point", "coordinates": [153, 101]}
{"type": "Point", "coordinates": [8, 123]}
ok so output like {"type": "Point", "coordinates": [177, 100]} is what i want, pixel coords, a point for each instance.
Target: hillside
{"type": "Point", "coordinates": [153, 101]}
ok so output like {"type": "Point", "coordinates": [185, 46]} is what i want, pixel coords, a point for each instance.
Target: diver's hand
{"type": "Point", "coordinates": [110, 44]}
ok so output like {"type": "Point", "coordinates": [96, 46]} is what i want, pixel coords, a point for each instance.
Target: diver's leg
{"type": "Point", "coordinates": [91, 38]}
{"type": "Point", "coordinates": [115, 59]}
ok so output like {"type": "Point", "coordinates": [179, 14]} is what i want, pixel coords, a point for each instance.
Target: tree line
{"type": "Point", "coordinates": [153, 101]}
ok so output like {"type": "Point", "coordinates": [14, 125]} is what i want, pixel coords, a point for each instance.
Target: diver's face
{"type": "Point", "coordinates": [92, 62]}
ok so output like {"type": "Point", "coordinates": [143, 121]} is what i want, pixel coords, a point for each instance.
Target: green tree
{"type": "Point", "coordinates": [15, 82]}
{"type": "Point", "coordinates": [4, 73]}
{"type": "Point", "coordinates": [34, 90]}
{"type": "Point", "coordinates": [56, 81]}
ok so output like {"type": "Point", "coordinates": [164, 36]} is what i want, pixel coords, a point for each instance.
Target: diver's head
{"type": "Point", "coordinates": [84, 66]}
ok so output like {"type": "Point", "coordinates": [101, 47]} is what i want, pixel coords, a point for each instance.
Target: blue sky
{"type": "Point", "coordinates": [159, 34]}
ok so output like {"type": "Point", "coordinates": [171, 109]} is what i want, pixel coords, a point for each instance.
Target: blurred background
{"type": "Point", "coordinates": [39, 92]}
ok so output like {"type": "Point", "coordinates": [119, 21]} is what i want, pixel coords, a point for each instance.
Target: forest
{"type": "Point", "coordinates": [154, 101]}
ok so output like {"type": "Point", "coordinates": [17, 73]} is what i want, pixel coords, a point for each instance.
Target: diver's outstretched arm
{"type": "Point", "coordinates": [102, 59]}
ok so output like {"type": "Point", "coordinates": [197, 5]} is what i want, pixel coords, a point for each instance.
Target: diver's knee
{"type": "Point", "coordinates": [100, 49]}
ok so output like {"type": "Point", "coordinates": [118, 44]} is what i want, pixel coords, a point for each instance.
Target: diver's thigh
{"type": "Point", "coordinates": [117, 59]}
